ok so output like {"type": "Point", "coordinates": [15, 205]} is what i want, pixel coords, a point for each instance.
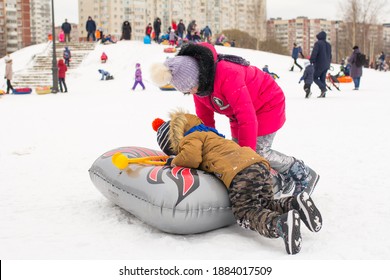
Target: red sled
{"type": "Point", "coordinates": [26, 90]}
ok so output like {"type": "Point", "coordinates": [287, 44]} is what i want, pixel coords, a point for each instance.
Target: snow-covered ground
{"type": "Point", "coordinates": [49, 208]}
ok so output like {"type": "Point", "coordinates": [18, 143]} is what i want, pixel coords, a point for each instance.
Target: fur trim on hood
{"type": "Point", "coordinates": [180, 123]}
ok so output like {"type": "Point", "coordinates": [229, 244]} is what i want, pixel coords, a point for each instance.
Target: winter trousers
{"type": "Point", "coordinates": [356, 82]}
{"type": "Point", "coordinates": [9, 86]}
{"type": "Point", "coordinates": [136, 83]}
{"type": "Point", "coordinates": [61, 82]}
{"type": "Point", "coordinates": [306, 88]}
{"type": "Point", "coordinates": [295, 63]}
{"type": "Point", "coordinates": [252, 199]}
{"type": "Point", "coordinates": [319, 79]}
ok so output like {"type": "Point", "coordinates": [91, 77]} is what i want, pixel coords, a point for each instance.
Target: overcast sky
{"type": "Point", "coordinates": [329, 9]}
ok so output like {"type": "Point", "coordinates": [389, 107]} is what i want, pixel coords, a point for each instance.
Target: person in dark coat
{"type": "Point", "coordinates": [126, 30]}
{"type": "Point", "coordinates": [356, 71]}
{"type": "Point", "coordinates": [181, 28]}
{"type": "Point", "coordinates": [296, 51]}
{"type": "Point", "coordinates": [321, 57]}
{"type": "Point", "coordinates": [307, 78]}
{"type": "Point", "coordinates": [90, 26]}
{"type": "Point", "coordinates": [66, 27]}
{"type": "Point", "coordinates": [157, 29]}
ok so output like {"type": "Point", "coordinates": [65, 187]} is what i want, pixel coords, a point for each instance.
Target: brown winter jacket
{"type": "Point", "coordinates": [207, 150]}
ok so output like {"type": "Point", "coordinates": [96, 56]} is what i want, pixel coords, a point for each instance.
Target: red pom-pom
{"type": "Point", "coordinates": [157, 123]}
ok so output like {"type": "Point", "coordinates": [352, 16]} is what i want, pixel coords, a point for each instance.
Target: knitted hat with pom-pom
{"type": "Point", "coordinates": [162, 129]}
{"type": "Point", "coordinates": [180, 71]}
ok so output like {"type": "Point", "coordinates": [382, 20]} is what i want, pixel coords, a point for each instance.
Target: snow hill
{"type": "Point", "coordinates": [49, 208]}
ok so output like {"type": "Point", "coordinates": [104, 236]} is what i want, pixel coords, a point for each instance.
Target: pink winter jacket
{"type": "Point", "coordinates": [250, 98]}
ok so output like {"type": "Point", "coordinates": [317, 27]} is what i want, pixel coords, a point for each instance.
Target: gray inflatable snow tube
{"type": "Point", "coordinates": [175, 200]}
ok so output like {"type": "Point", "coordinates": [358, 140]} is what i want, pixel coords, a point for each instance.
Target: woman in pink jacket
{"type": "Point", "coordinates": [250, 98]}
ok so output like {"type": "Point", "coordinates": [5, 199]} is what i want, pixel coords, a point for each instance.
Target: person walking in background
{"type": "Point", "coordinates": [307, 78]}
{"type": "Point", "coordinates": [138, 77]}
{"type": "Point", "coordinates": [8, 73]}
{"type": "Point", "coordinates": [356, 66]}
{"type": "Point", "coordinates": [126, 31]}
{"type": "Point", "coordinates": [61, 75]}
{"type": "Point", "coordinates": [157, 30]}
{"type": "Point", "coordinates": [67, 55]}
{"type": "Point", "coordinates": [321, 57]}
{"type": "Point", "coordinates": [296, 51]}
{"type": "Point", "coordinates": [181, 28]}
{"type": "Point", "coordinates": [206, 33]}
{"type": "Point", "coordinates": [250, 98]}
{"type": "Point", "coordinates": [66, 28]}
{"type": "Point", "coordinates": [90, 27]}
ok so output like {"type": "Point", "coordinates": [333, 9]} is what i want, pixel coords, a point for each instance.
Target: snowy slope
{"type": "Point", "coordinates": [49, 208]}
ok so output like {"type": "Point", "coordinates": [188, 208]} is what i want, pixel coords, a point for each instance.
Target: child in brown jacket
{"type": "Point", "coordinates": [245, 174]}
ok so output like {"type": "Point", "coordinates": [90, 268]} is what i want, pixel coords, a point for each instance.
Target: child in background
{"type": "Point", "coordinates": [67, 55]}
{"type": "Point", "coordinates": [245, 174]}
{"type": "Point", "coordinates": [172, 37]}
{"type": "Point", "coordinates": [273, 75]}
{"type": "Point", "coordinates": [307, 77]}
{"type": "Point", "coordinates": [103, 58]}
{"type": "Point", "coordinates": [61, 75]}
{"type": "Point", "coordinates": [138, 77]}
{"type": "Point", "coordinates": [105, 75]}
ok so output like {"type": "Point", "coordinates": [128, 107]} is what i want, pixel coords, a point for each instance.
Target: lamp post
{"type": "Point", "coordinates": [337, 41]}
{"type": "Point", "coordinates": [54, 88]}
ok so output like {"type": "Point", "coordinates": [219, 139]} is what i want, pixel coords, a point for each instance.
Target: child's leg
{"type": "Point", "coordinates": [135, 85]}
{"type": "Point", "coordinates": [251, 196]}
{"type": "Point", "coordinates": [65, 87]}
{"type": "Point", "coordinates": [142, 84]}
{"type": "Point", "coordinates": [60, 84]}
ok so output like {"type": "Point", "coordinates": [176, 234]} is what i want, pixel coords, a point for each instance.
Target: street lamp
{"type": "Point", "coordinates": [337, 41]}
{"type": "Point", "coordinates": [54, 88]}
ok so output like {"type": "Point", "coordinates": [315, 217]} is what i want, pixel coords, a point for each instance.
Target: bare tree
{"type": "Point", "coordinates": [360, 16]}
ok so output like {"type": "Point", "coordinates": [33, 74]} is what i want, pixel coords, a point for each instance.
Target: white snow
{"type": "Point", "coordinates": [49, 208]}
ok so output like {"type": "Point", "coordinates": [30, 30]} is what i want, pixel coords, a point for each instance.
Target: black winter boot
{"type": "Point", "coordinates": [289, 228]}
{"type": "Point", "coordinates": [308, 212]}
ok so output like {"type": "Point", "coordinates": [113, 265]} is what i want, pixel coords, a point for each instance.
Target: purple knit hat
{"type": "Point", "coordinates": [185, 72]}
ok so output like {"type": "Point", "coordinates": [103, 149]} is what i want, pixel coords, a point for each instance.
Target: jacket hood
{"type": "Point", "coordinates": [321, 35]}
{"type": "Point", "coordinates": [206, 56]}
{"type": "Point", "coordinates": [180, 123]}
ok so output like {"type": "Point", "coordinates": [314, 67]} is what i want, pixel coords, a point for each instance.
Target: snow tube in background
{"type": "Point", "coordinates": [175, 200]}
{"type": "Point", "coordinates": [345, 79]}
{"type": "Point", "coordinates": [147, 40]}
{"type": "Point", "coordinates": [26, 90]}
{"type": "Point", "coordinates": [168, 87]}
{"type": "Point", "coordinates": [43, 90]}
{"type": "Point", "coordinates": [170, 50]}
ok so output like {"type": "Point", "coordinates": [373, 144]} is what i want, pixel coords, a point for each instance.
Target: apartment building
{"type": "Point", "coordinates": [371, 38]}
{"type": "Point", "coordinates": [14, 25]}
{"type": "Point", "coordinates": [245, 15]}
{"type": "Point", "coordinates": [41, 23]}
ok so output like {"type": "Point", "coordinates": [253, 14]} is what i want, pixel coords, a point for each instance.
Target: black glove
{"type": "Point", "coordinates": [169, 161]}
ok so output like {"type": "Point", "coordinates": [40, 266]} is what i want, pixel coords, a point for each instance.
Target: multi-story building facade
{"type": "Point", "coordinates": [14, 25]}
{"type": "Point", "coordinates": [245, 15]}
{"type": "Point", "coordinates": [41, 24]}
{"type": "Point", "coordinates": [303, 31]}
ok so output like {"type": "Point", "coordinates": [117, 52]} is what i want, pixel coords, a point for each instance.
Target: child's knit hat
{"type": "Point", "coordinates": [163, 141]}
{"type": "Point", "coordinates": [180, 71]}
